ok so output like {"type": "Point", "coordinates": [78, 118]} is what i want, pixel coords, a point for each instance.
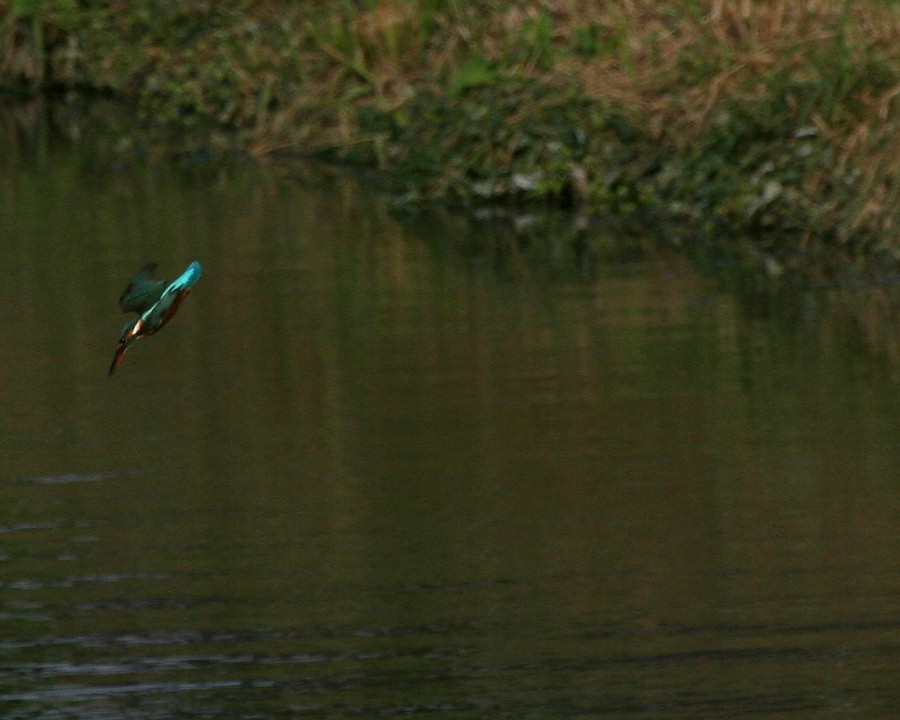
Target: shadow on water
{"type": "Point", "coordinates": [383, 466]}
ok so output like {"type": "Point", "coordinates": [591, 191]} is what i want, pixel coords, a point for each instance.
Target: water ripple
{"type": "Point", "coordinates": [67, 478]}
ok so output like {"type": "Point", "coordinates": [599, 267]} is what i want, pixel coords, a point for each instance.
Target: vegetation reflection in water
{"type": "Point", "coordinates": [372, 475]}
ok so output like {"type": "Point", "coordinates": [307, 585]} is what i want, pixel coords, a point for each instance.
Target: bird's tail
{"type": "Point", "coordinates": [187, 278]}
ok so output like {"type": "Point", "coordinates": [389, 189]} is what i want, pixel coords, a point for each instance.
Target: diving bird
{"type": "Point", "coordinates": [155, 302]}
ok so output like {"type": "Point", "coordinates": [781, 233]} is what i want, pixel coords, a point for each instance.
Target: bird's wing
{"type": "Point", "coordinates": [143, 291]}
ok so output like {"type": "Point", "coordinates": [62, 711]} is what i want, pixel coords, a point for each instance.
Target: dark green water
{"type": "Point", "coordinates": [363, 474]}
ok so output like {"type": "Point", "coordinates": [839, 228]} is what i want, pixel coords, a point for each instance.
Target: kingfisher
{"type": "Point", "coordinates": [155, 302]}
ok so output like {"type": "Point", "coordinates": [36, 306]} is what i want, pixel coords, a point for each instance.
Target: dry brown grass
{"type": "Point", "coordinates": [741, 42]}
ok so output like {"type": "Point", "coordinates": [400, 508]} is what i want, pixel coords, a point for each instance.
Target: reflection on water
{"type": "Point", "coordinates": [366, 474]}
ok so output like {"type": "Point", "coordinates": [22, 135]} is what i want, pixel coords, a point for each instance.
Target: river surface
{"type": "Point", "coordinates": [380, 469]}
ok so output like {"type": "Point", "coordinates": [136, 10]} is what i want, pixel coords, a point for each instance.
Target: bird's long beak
{"type": "Point", "coordinates": [129, 335]}
{"type": "Point", "coordinates": [118, 358]}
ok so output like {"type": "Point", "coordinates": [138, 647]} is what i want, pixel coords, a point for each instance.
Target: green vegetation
{"type": "Point", "coordinates": [776, 120]}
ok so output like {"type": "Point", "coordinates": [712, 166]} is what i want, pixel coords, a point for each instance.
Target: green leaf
{"type": "Point", "coordinates": [475, 73]}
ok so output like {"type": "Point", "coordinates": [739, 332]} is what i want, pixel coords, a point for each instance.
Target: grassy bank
{"type": "Point", "coordinates": [774, 120]}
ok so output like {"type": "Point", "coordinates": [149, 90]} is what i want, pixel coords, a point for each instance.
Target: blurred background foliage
{"type": "Point", "coordinates": [776, 120]}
